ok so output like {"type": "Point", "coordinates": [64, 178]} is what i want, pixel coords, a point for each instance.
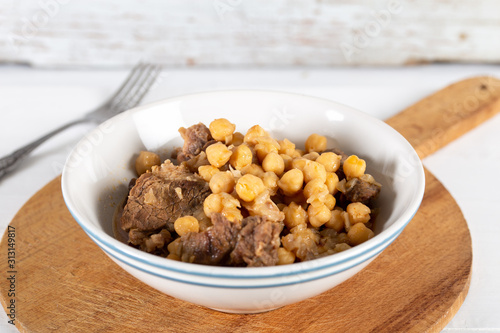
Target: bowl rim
{"type": "Point", "coordinates": [157, 262]}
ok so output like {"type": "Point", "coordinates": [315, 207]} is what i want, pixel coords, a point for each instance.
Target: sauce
{"type": "Point", "coordinates": [118, 232]}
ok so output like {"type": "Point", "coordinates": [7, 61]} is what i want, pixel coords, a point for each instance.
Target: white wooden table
{"type": "Point", "coordinates": [248, 33]}
{"type": "Point", "coordinates": [35, 101]}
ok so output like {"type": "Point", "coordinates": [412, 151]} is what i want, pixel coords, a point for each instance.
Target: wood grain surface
{"type": "Point", "coordinates": [57, 33]}
{"type": "Point", "coordinates": [64, 282]}
{"type": "Point", "coordinates": [444, 116]}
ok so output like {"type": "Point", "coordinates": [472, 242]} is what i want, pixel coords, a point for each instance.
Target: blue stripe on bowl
{"type": "Point", "coordinates": [143, 261]}
{"type": "Point", "coordinates": [355, 263]}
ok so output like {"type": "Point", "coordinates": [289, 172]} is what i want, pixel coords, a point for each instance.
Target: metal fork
{"type": "Point", "coordinates": [130, 93]}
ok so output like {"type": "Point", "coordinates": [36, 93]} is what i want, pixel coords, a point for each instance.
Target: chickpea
{"type": "Point", "coordinates": [294, 215]}
{"type": "Point", "coordinates": [287, 160]}
{"type": "Point", "coordinates": [232, 214]}
{"type": "Point", "coordinates": [301, 240]}
{"type": "Point", "coordinates": [315, 190]}
{"type": "Point", "coordinates": [291, 182]}
{"type": "Point", "coordinates": [263, 149]}
{"type": "Point", "coordinates": [314, 170]}
{"type": "Point", "coordinates": [229, 201]}
{"type": "Point", "coordinates": [253, 133]}
{"type": "Point", "coordinates": [186, 224]}
{"type": "Point", "coordinates": [241, 157]}
{"type": "Point", "coordinates": [218, 154]}
{"type": "Point", "coordinates": [358, 212]}
{"type": "Point", "coordinates": [336, 221]}
{"type": "Point", "coordinates": [212, 204]}
{"type": "Point", "coordinates": [330, 201]}
{"type": "Point", "coordinates": [311, 156]}
{"type": "Point", "coordinates": [318, 214]}
{"type": "Point", "coordinates": [237, 139]}
{"type": "Point", "coordinates": [300, 163]}
{"type": "Point", "coordinates": [298, 153]}
{"type": "Point", "coordinates": [253, 169]}
{"type": "Point", "coordinates": [207, 171]}
{"type": "Point", "coordinates": [330, 161]}
{"type": "Point", "coordinates": [222, 182]}
{"type": "Point", "coordinates": [222, 130]}
{"type": "Point", "coordinates": [267, 140]}
{"type": "Point", "coordinates": [145, 161]}
{"type": "Point", "coordinates": [315, 142]}
{"type": "Point", "coordinates": [274, 163]}
{"type": "Point", "coordinates": [359, 233]}
{"type": "Point", "coordinates": [354, 167]}
{"type": "Point", "coordinates": [249, 187]}
{"type": "Point", "coordinates": [285, 257]}
{"type": "Point", "coordinates": [270, 180]}
{"type": "Point", "coordinates": [286, 147]}
{"type": "Point", "coordinates": [331, 182]}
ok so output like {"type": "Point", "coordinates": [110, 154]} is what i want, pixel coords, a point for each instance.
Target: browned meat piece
{"type": "Point", "coordinates": [136, 237]}
{"type": "Point", "coordinates": [131, 183]}
{"type": "Point", "coordinates": [254, 243]}
{"type": "Point", "coordinates": [196, 139]}
{"type": "Point", "coordinates": [358, 190]}
{"type": "Point", "coordinates": [258, 243]}
{"type": "Point", "coordinates": [149, 243]}
{"type": "Point", "coordinates": [159, 197]}
{"type": "Point", "coordinates": [212, 246]}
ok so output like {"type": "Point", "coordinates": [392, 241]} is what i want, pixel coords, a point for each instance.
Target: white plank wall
{"type": "Point", "coordinates": [117, 33]}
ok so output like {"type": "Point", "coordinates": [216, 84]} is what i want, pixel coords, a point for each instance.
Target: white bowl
{"type": "Point", "coordinates": [99, 168]}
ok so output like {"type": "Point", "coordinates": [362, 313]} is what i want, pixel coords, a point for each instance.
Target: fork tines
{"type": "Point", "coordinates": [135, 87]}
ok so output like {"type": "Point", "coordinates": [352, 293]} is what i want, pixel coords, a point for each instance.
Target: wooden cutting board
{"type": "Point", "coordinates": [65, 283]}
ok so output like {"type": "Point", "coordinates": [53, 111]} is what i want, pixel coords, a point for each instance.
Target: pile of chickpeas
{"type": "Point", "coordinates": [270, 177]}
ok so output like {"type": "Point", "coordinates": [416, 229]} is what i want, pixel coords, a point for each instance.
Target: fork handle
{"type": "Point", "coordinates": [9, 162]}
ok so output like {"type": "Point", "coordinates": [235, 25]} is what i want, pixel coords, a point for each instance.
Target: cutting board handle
{"type": "Point", "coordinates": [449, 113]}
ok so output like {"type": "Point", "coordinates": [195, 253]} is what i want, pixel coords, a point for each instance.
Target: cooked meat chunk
{"type": "Point", "coordinates": [258, 243]}
{"type": "Point", "coordinates": [131, 183]}
{"type": "Point", "coordinates": [149, 243]}
{"type": "Point", "coordinates": [196, 139]}
{"type": "Point", "coordinates": [358, 190]}
{"type": "Point", "coordinates": [212, 246]}
{"type": "Point", "coordinates": [136, 237]}
{"type": "Point", "coordinates": [159, 197]}
{"type": "Point", "coordinates": [253, 243]}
